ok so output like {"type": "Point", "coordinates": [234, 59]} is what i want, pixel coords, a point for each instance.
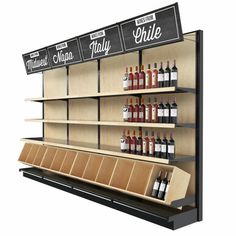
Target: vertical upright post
{"type": "Point", "coordinates": [43, 105]}
{"type": "Point", "coordinates": [98, 101]}
{"type": "Point", "coordinates": [199, 122]}
{"type": "Point", "coordinates": [67, 103]}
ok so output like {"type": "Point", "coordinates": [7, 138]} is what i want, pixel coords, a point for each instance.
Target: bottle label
{"type": "Point", "coordinates": [173, 112]}
{"type": "Point", "coordinates": [130, 115]}
{"type": "Point", "coordinates": [122, 144]}
{"type": "Point", "coordinates": [174, 75]}
{"type": "Point", "coordinates": [135, 114]}
{"type": "Point", "coordinates": [125, 113]}
{"type": "Point", "coordinates": [153, 113]}
{"type": "Point", "coordinates": [130, 82]}
{"type": "Point", "coordinates": [157, 147]}
{"type": "Point", "coordinates": [166, 77]}
{"type": "Point", "coordinates": [171, 149]}
{"type": "Point", "coordinates": [154, 79]}
{"type": "Point", "coordinates": [160, 77]}
{"type": "Point", "coordinates": [147, 79]}
{"type": "Point", "coordinates": [162, 187]}
{"type": "Point", "coordinates": [166, 112]}
{"type": "Point", "coordinates": [163, 148]}
{"type": "Point", "coordinates": [150, 148]}
{"type": "Point", "coordinates": [160, 112]}
{"type": "Point", "coordinates": [132, 147]}
{"type": "Point", "coordinates": [141, 115]}
{"type": "Point", "coordinates": [156, 185]}
{"type": "Point", "coordinates": [141, 82]}
{"type": "Point", "coordinates": [147, 113]}
{"type": "Point", "coordinates": [138, 147]}
{"type": "Point", "coordinates": [144, 147]}
{"type": "Point", "coordinates": [135, 82]}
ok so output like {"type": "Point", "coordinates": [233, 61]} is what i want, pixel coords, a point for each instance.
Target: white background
{"type": "Point", "coordinates": [31, 208]}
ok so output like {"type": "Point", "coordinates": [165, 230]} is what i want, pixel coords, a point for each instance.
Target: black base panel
{"type": "Point", "coordinates": [159, 214]}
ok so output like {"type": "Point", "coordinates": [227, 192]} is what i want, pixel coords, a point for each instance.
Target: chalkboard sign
{"type": "Point", "coordinates": [159, 27]}
{"type": "Point", "coordinates": [101, 43]}
{"type": "Point", "coordinates": [64, 53]}
{"type": "Point", "coordinates": [36, 61]}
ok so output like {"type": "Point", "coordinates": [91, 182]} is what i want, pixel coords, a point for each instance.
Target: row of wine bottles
{"type": "Point", "coordinates": [151, 112]}
{"type": "Point", "coordinates": [152, 78]}
{"type": "Point", "coordinates": [148, 146]}
{"type": "Point", "coordinates": [161, 186]}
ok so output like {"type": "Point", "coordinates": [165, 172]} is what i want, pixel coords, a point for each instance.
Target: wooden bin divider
{"type": "Point", "coordinates": [58, 159]}
{"type": "Point", "coordinates": [32, 154]}
{"type": "Point", "coordinates": [68, 162]}
{"type": "Point", "coordinates": [48, 157]}
{"type": "Point", "coordinates": [25, 152]}
{"type": "Point", "coordinates": [40, 155]}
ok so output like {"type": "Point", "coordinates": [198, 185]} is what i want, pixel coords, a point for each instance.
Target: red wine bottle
{"type": "Point", "coordinates": [126, 80]}
{"type": "Point", "coordinates": [142, 109]}
{"type": "Point", "coordinates": [160, 112]}
{"type": "Point", "coordinates": [148, 111]}
{"type": "Point", "coordinates": [136, 79]}
{"type": "Point", "coordinates": [161, 76]}
{"type": "Point", "coordinates": [167, 75]}
{"type": "Point", "coordinates": [128, 142]}
{"type": "Point", "coordinates": [162, 188]}
{"type": "Point", "coordinates": [173, 112]}
{"type": "Point", "coordinates": [152, 145]}
{"type": "Point", "coordinates": [139, 146]}
{"type": "Point", "coordinates": [146, 144]}
{"type": "Point", "coordinates": [136, 111]}
{"type": "Point", "coordinates": [148, 80]}
{"type": "Point", "coordinates": [155, 76]}
{"type": "Point", "coordinates": [154, 111]}
{"type": "Point", "coordinates": [130, 111]}
{"type": "Point", "coordinates": [133, 143]}
{"type": "Point", "coordinates": [142, 78]}
{"type": "Point", "coordinates": [171, 148]}
{"type": "Point", "coordinates": [156, 185]}
{"type": "Point", "coordinates": [158, 147]}
{"type": "Point", "coordinates": [131, 79]}
{"type": "Point", "coordinates": [174, 75]}
{"type": "Point", "coordinates": [166, 116]}
{"type": "Point", "coordinates": [164, 146]}
{"type": "Point", "coordinates": [122, 142]}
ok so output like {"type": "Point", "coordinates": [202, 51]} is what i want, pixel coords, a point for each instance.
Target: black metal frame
{"type": "Point", "coordinates": [180, 218]}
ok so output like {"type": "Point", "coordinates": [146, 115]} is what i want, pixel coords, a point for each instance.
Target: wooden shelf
{"type": "Point", "coordinates": [112, 123]}
{"type": "Point", "coordinates": [105, 149]}
{"type": "Point", "coordinates": [115, 94]}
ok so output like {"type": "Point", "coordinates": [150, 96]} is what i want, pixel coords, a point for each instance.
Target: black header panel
{"type": "Point", "coordinates": [101, 43]}
{"type": "Point", "coordinates": [36, 61]}
{"type": "Point", "coordinates": [158, 27]}
{"type": "Point", "coordinates": [64, 53]}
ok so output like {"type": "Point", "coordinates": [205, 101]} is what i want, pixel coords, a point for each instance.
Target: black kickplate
{"type": "Point", "coordinates": [159, 214]}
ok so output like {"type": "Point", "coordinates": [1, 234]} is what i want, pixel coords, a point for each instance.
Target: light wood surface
{"type": "Point", "coordinates": [68, 161]}
{"type": "Point", "coordinates": [32, 153]}
{"type": "Point", "coordinates": [58, 159]}
{"type": "Point", "coordinates": [40, 155]}
{"type": "Point", "coordinates": [83, 78]}
{"type": "Point", "coordinates": [55, 110]}
{"type": "Point", "coordinates": [53, 131]}
{"type": "Point", "coordinates": [80, 164]}
{"type": "Point", "coordinates": [48, 157]}
{"type": "Point", "coordinates": [55, 82]}
{"type": "Point", "coordinates": [25, 151]}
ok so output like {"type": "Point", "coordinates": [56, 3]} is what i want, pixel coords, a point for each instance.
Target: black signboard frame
{"type": "Point", "coordinates": [102, 56]}
{"type": "Point", "coordinates": [69, 63]}
{"type": "Point", "coordinates": [178, 27]}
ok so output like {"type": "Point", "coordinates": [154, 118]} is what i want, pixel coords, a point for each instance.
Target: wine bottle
{"type": "Point", "coordinates": [167, 75]}
{"type": "Point", "coordinates": [154, 111]}
{"type": "Point", "coordinates": [164, 146]}
{"type": "Point", "coordinates": [133, 143]}
{"type": "Point", "coordinates": [174, 75]}
{"type": "Point", "coordinates": [128, 142]}
{"type": "Point", "coordinates": [148, 80]}
{"type": "Point", "coordinates": [136, 111]}
{"type": "Point", "coordinates": [142, 78]}
{"type": "Point", "coordinates": [155, 76]}
{"type": "Point", "coordinates": [139, 145]}
{"type": "Point", "coordinates": [166, 116]}
{"type": "Point", "coordinates": [126, 80]}
{"type": "Point", "coordinates": [146, 144]}
{"type": "Point", "coordinates": [162, 188]}
{"type": "Point", "coordinates": [122, 142]}
{"type": "Point", "coordinates": [136, 79]}
{"type": "Point", "coordinates": [173, 112]}
{"type": "Point", "coordinates": [158, 147]}
{"type": "Point", "coordinates": [125, 111]}
{"type": "Point", "coordinates": [131, 79]}
{"type": "Point", "coordinates": [168, 184]}
{"type": "Point", "coordinates": [171, 148]}
{"type": "Point", "coordinates": [148, 111]}
{"type": "Point", "coordinates": [130, 111]}
{"type": "Point", "coordinates": [160, 112]}
{"type": "Point", "coordinates": [152, 145]}
{"type": "Point", "coordinates": [156, 185]}
{"type": "Point", "coordinates": [161, 76]}
{"type": "Point", "coordinates": [142, 109]}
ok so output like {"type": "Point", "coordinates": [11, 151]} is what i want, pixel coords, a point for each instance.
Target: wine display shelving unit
{"type": "Point", "coordinates": [79, 151]}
